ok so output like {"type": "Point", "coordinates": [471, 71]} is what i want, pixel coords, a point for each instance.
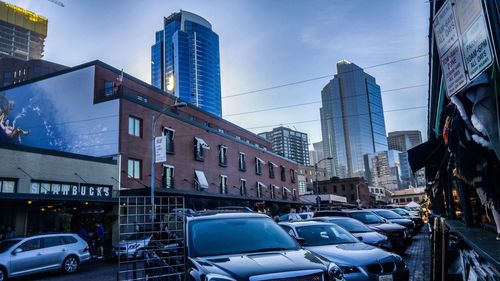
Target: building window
{"type": "Point", "coordinates": [259, 189]}
{"type": "Point", "coordinates": [243, 187]}
{"type": "Point", "coordinates": [223, 184]}
{"type": "Point", "coordinates": [343, 187]}
{"type": "Point", "coordinates": [294, 194]}
{"type": "Point", "coordinates": [134, 168]}
{"type": "Point", "coordinates": [273, 191]}
{"type": "Point", "coordinates": [352, 197]}
{"type": "Point", "coordinates": [109, 88]}
{"type": "Point", "coordinates": [325, 190]}
{"type": "Point", "coordinates": [416, 199]}
{"type": "Point", "coordinates": [258, 166]}
{"type": "Point", "coordinates": [222, 156]}
{"type": "Point", "coordinates": [169, 134]}
{"type": "Point", "coordinates": [292, 175]}
{"type": "Point", "coordinates": [134, 126]}
{"type": "Point", "coordinates": [352, 187]}
{"type": "Point", "coordinates": [271, 170]}
{"type": "Point", "coordinates": [335, 189]}
{"type": "Point", "coordinates": [168, 176]}
{"type": "Point", "coordinates": [7, 186]}
{"type": "Point", "coordinates": [282, 173]}
{"type": "Point", "coordinates": [284, 193]}
{"type": "Point", "coordinates": [199, 146]}
{"type": "Point", "coordinates": [242, 165]}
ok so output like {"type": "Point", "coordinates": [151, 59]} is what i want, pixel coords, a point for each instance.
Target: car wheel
{"type": "Point", "coordinates": [3, 274]}
{"type": "Point", "coordinates": [70, 264]}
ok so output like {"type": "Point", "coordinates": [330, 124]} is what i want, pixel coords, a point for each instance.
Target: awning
{"type": "Point", "coordinates": [201, 179]}
{"type": "Point", "coordinates": [202, 143]}
{"type": "Point", "coordinates": [427, 154]}
{"type": "Point", "coordinates": [261, 184]}
{"type": "Point", "coordinates": [276, 166]}
{"type": "Point", "coordinates": [260, 160]}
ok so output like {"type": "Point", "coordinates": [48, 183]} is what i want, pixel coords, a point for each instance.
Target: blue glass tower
{"type": "Point", "coordinates": [185, 61]}
{"type": "Point", "coordinates": [352, 120]}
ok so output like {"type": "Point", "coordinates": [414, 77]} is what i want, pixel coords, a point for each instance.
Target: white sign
{"type": "Point", "coordinates": [453, 69]}
{"type": "Point", "coordinates": [477, 48]}
{"type": "Point", "coordinates": [445, 28]}
{"type": "Point", "coordinates": [160, 149]}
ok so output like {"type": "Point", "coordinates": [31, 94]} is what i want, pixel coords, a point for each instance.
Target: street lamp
{"type": "Point", "coordinates": [316, 175]}
{"type": "Point", "coordinates": [357, 191]}
{"type": "Point", "coordinates": [153, 151]}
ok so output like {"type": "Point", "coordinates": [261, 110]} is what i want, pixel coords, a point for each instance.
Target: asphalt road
{"type": "Point", "coordinates": [98, 271]}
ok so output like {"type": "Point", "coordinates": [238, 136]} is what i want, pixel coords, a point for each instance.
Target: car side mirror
{"type": "Point", "coordinates": [16, 251]}
{"type": "Point", "coordinates": [360, 238]}
{"type": "Point", "coordinates": [301, 241]}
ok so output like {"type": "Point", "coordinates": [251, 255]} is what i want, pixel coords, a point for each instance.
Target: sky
{"type": "Point", "coordinates": [263, 43]}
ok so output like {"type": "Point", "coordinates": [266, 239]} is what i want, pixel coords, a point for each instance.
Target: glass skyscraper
{"type": "Point", "coordinates": [352, 120]}
{"type": "Point", "coordinates": [185, 61]}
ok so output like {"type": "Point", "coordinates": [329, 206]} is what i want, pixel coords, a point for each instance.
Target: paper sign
{"type": "Point", "coordinates": [160, 149]}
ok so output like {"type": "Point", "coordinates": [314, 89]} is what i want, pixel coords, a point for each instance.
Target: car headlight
{"type": "Point", "coordinates": [346, 269]}
{"type": "Point", "coordinates": [335, 273]}
{"type": "Point", "coordinates": [218, 277]}
{"type": "Point", "coordinates": [133, 246]}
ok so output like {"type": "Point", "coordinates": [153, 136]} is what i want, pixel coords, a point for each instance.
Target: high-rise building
{"type": "Point", "coordinates": [22, 33]}
{"type": "Point", "coordinates": [352, 120]}
{"type": "Point", "coordinates": [185, 61]}
{"type": "Point", "coordinates": [317, 154]}
{"type": "Point", "coordinates": [383, 169]}
{"type": "Point", "coordinates": [404, 140]}
{"type": "Point", "coordinates": [289, 143]}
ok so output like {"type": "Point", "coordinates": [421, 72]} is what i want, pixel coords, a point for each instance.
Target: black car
{"type": "Point", "coordinates": [249, 246]}
{"type": "Point", "coordinates": [395, 218]}
{"type": "Point", "coordinates": [419, 223]}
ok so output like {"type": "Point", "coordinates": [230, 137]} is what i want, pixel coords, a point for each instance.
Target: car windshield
{"type": "Point", "coordinates": [325, 234]}
{"type": "Point", "coordinates": [387, 214]}
{"type": "Point", "coordinates": [5, 245]}
{"type": "Point", "coordinates": [304, 216]}
{"type": "Point", "coordinates": [237, 235]}
{"type": "Point", "coordinates": [351, 225]}
{"type": "Point", "coordinates": [367, 217]}
{"type": "Point", "coordinates": [400, 212]}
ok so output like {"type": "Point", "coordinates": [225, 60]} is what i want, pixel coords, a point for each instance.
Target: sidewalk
{"type": "Point", "coordinates": [418, 258]}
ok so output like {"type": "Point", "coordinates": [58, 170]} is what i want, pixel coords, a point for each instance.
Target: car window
{"type": "Point", "coordinates": [351, 225]}
{"type": "Point", "coordinates": [288, 229]}
{"type": "Point", "coordinates": [387, 214]}
{"type": "Point", "coordinates": [52, 241]}
{"type": "Point", "coordinates": [30, 245]}
{"type": "Point", "coordinates": [325, 234]}
{"type": "Point", "coordinates": [69, 240]}
{"type": "Point", "coordinates": [367, 217]}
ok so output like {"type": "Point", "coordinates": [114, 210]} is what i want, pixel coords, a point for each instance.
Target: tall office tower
{"type": "Point", "coordinates": [22, 33]}
{"type": "Point", "coordinates": [185, 61]}
{"type": "Point", "coordinates": [352, 120]}
{"type": "Point", "coordinates": [384, 169]}
{"type": "Point", "coordinates": [289, 144]}
{"type": "Point", "coordinates": [404, 140]}
{"type": "Point", "coordinates": [316, 154]}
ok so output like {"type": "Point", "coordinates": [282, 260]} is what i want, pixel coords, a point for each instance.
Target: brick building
{"type": "Point", "coordinates": [14, 71]}
{"type": "Point", "coordinates": [99, 111]}
{"type": "Point", "coordinates": [348, 187]}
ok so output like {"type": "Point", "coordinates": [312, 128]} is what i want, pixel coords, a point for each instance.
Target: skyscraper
{"type": "Point", "coordinates": [404, 140]}
{"type": "Point", "coordinates": [22, 33]}
{"type": "Point", "coordinates": [388, 169]}
{"type": "Point", "coordinates": [185, 61]}
{"type": "Point", "coordinates": [352, 120]}
{"type": "Point", "coordinates": [289, 144]}
{"type": "Point", "coordinates": [316, 154]}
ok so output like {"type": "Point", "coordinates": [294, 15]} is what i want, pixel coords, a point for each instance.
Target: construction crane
{"type": "Point", "coordinates": [58, 3]}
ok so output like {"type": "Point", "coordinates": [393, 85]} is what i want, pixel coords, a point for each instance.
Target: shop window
{"type": "Point", "coordinates": [169, 134]}
{"type": "Point", "coordinates": [242, 164]}
{"type": "Point", "coordinates": [243, 187]}
{"type": "Point", "coordinates": [168, 176]}
{"type": "Point", "coordinates": [282, 173]}
{"type": "Point", "coordinates": [134, 126]}
{"type": "Point", "coordinates": [134, 168]}
{"type": "Point", "coordinates": [222, 156]}
{"type": "Point", "coordinates": [223, 184]}
{"type": "Point", "coordinates": [7, 186]}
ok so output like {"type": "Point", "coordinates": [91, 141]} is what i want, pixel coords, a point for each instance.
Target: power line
{"type": "Point", "coordinates": [321, 77]}
{"type": "Point", "coordinates": [315, 102]}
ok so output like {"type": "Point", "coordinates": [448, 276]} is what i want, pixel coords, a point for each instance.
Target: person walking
{"type": "Point", "coordinates": [99, 232]}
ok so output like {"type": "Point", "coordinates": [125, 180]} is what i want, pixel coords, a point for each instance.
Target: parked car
{"type": "Point", "coordinates": [234, 209]}
{"type": "Point", "coordinates": [22, 256]}
{"type": "Point", "coordinates": [290, 217]}
{"type": "Point", "coordinates": [419, 223]}
{"type": "Point", "coordinates": [330, 213]}
{"type": "Point", "coordinates": [395, 218]}
{"type": "Point", "coordinates": [357, 260]}
{"type": "Point", "coordinates": [399, 235]}
{"type": "Point", "coordinates": [306, 215]}
{"type": "Point", "coordinates": [249, 246]}
{"type": "Point", "coordinates": [360, 230]}
{"type": "Point", "coordinates": [133, 245]}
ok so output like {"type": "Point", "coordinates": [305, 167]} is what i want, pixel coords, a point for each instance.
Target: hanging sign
{"type": "Point", "coordinates": [160, 149]}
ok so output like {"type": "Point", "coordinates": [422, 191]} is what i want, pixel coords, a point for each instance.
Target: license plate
{"type": "Point", "coordinates": [385, 278]}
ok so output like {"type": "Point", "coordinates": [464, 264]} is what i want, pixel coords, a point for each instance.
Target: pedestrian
{"type": "Point", "coordinates": [10, 232]}
{"type": "Point", "coordinates": [99, 233]}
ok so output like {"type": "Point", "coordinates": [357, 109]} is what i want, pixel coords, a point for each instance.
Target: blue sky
{"type": "Point", "coordinates": [263, 43]}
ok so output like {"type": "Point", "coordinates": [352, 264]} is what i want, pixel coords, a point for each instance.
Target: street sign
{"type": "Point", "coordinates": [463, 42]}
{"type": "Point", "coordinates": [160, 149]}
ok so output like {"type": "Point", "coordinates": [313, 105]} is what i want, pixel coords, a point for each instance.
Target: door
{"type": "Point", "coordinates": [54, 251]}
{"type": "Point", "coordinates": [28, 257]}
